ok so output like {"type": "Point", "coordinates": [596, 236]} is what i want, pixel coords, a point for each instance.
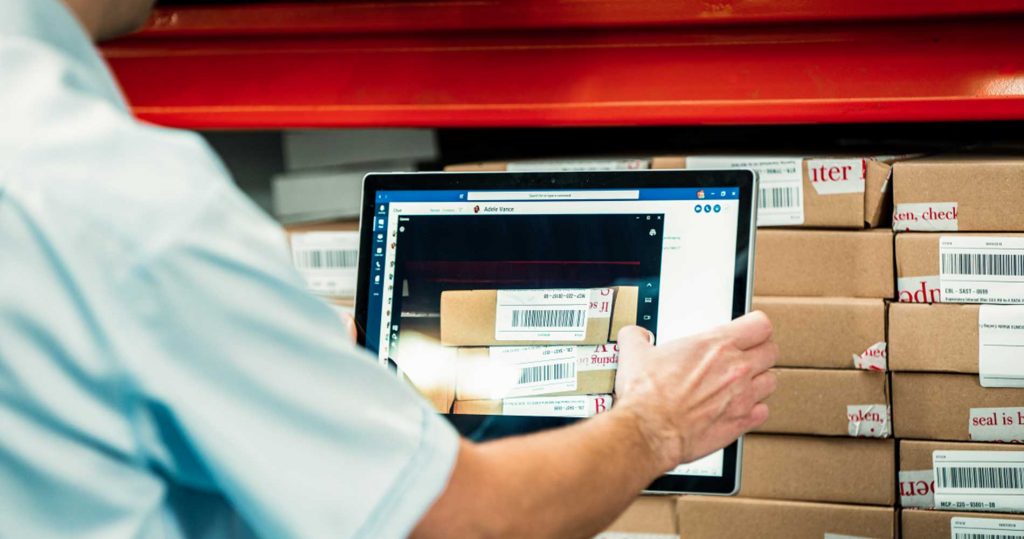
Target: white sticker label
{"type": "Point", "coordinates": [1001, 345]}
{"type": "Point", "coordinates": [869, 420]}
{"type": "Point", "coordinates": [542, 315]}
{"type": "Point", "coordinates": [603, 357]}
{"type": "Point", "coordinates": [979, 480]}
{"type": "Point", "coordinates": [519, 371]}
{"type": "Point", "coordinates": [997, 424]}
{"type": "Point", "coordinates": [917, 489]}
{"type": "Point", "coordinates": [981, 269]}
{"type": "Point", "coordinates": [577, 406]}
{"type": "Point", "coordinates": [837, 176]}
{"type": "Point", "coordinates": [327, 261]}
{"type": "Point", "coordinates": [601, 303]}
{"type": "Point", "coordinates": [985, 528]}
{"type": "Point", "coordinates": [927, 216]}
{"type": "Point", "coordinates": [635, 535]}
{"type": "Point", "coordinates": [921, 289]}
{"type": "Point", "coordinates": [578, 165]}
{"type": "Point", "coordinates": [780, 197]}
{"type": "Point", "coordinates": [872, 359]}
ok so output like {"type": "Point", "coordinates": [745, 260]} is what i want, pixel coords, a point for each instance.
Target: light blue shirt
{"type": "Point", "coordinates": [163, 373]}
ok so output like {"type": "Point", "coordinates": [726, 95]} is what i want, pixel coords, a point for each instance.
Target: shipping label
{"type": "Point", "coordinates": [837, 176]}
{"type": "Point", "coordinates": [920, 289]}
{"type": "Point", "coordinates": [926, 217]}
{"type": "Point", "coordinates": [603, 357]}
{"type": "Point", "coordinates": [981, 269]}
{"type": "Point", "coordinates": [1001, 345]}
{"type": "Point", "coordinates": [997, 424]}
{"type": "Point", "coordinates": [872, 359]}
{"type": "Point", "coordinates": [869, 420]}
{"type": "Point", "coordinates": [575, 406]}
{"type": "Point", "coordinates": [780, 197]}
{"type": "Point", "coordinates": [519, 371]}
{"type": "Point", "coordinates": [542, 315]}
{"type": "Point", "coordinates": [327, 261]}
{"type": "Point", "coordinates": [985, 528]}
{"type": "Point", "coordinates": [917, 489]}
{"type": "Point", "coordinates": [579, 165]}
{"type": "Point", "coordinates": [979, 480]}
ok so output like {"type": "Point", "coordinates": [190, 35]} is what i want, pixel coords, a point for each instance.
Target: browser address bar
{"type": "Point", "coordinates": [484, 196]}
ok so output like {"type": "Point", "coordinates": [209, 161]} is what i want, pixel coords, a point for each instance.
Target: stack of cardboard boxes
{"type": "Point", "coordinates": [957, 345]}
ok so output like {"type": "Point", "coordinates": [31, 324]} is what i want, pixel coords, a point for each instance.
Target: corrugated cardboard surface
{"type": "Point", "coordinates": [989, 191]}
{"type": "Point", "coordinates": [928, 524]}
{"type": "Point", "coordinates": [917, 454]}
{"type": "Point", "coordinates": [649, 514]}
{"type": "Point", "coordinates": [806, 329]}
{"type": "Point", "coordinates": [814, 401]}
{"type": "Point", "coordinates": [587, 382]}
{"type": "Point", "coordinates": [340, 225]}
{"type": "Point", "coordinates": [917, 253]}
{"type": "Point", "coordinates": [819, 469]}
{"type": "Point", "coordinates": [706, 517]}
{"type": "Point", "coordinates": [930, 406]}
{"type": "Point", "coordinates": [933, 337]}
{"type": "Point", "coordinates": [824, 263]}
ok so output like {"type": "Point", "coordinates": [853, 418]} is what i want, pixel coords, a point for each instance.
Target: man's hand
{"type": "Point", "coordinates": [694, 396]}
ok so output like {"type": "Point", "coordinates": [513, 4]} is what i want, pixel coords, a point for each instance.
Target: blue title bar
{"type": "Point", "coordinates": [579, 195]}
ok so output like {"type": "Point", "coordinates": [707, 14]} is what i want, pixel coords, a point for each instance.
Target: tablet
{"type": "Point", "coordinates": [499, 295]}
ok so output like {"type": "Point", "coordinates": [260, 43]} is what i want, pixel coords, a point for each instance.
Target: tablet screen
{"type": "Point", "coordinates": [502, 307]}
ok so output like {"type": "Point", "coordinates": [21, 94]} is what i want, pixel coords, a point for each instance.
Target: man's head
{"type": "Point", "coordinates": [107, 19]}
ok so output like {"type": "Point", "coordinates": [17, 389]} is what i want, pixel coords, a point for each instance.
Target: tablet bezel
{"type": "Point", "coordinates": [744, 179]}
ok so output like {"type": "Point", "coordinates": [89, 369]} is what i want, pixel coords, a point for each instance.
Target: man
{"type": "Point", "coordinates": [163, 374]}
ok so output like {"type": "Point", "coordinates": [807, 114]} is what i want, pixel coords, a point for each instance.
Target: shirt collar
{"type": "Point", "coordinates": [50, 22]}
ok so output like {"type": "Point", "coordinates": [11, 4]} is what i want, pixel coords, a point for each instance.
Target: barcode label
{"type": "Point", "coordinates": [536, 318]}
{"type": "Point", "coordinates": [544, 315]}
{"type": "Point", "coordinates": [981, 269]}
{"type": "Point", "coordinates": [979, 480]}
{"type": "Point", "coordinates": [1000, 340]}
{"type": "Point", "coordinates": [778, 197]}
{"type": "Point", "coordinates": [516, 371]}
{"type": "Point", "coordinates": [547, 373]}
{"type": "Point", "coordinates": [327, 261]}
{"type": "Point", "coordinates": [781, 181]}
{"type": "Point", "coordinates": [574, 406]}
{"type": "Point", "coordinates": [985, 528]}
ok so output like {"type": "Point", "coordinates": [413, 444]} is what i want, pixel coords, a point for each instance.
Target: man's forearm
{"type": "Point", "coordinates": [549, 484]}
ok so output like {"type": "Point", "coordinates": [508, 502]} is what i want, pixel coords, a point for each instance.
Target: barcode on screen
{"type": "Point", "coordinates": [1011, 265]}
{"type": "Point", "coordinates": [769, 198]}
{"type": "Point", "coordinates": [547, 373]}
{"type": "Point", "coordinates": [326, 258]}
{"type": "Point", "coordinates": [974, 477]}
{"type": "Point", "coordinates": [548, 318]}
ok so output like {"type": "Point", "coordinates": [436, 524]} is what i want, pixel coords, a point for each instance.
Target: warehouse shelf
{"type": "Point", "coordinates": [587, 63]}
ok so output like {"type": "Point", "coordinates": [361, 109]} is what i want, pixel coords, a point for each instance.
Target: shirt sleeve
{"type": "Point", "coordinates": [244, 383]}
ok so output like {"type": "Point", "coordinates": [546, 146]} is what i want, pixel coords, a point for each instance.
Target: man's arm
{"type": "Point", "coordinates": [677, 402]}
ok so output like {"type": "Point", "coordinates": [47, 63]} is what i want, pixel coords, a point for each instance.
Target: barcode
{"type": "Point", "coordinates": [972, 477]}
{"type": "Point", "coordinates": [326, 258]}
{"type": "Point", "coordinates": [982, 264]}
{"type": "Point", "coordinates": [547, 373]}
{"type": "Point", "coordinates": [778, 197]}
{"type": "Point", "coordinates": [556, 318]}
{"type": "Point", "coordinates": [972, 535]}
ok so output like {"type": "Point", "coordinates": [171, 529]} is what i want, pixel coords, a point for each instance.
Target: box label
{"type": "Point", "coordinates": [1001, 345]}
{"type": "Point", "coordinates": [920, 289]}
{"type": "Point", "coordinates": [997, 424]}
{"type": "Point", "coordinates": [837, 176]}
{"type": "Point", "coordinates": [985, 528]}
{"type": "Point", "coordinates": [869, 420]}
{"type": "Point", "coordinates": [780, 196]}
{"type": "Point", "coordinates": [578, 165]}
{"type": "Point", "coordinates": [327, 261]}
{"type": "Point", "coordinates": [981, 269]}
{"type": "Point", "coordinates": [979, 480]}
{"type": "Point", "coordinates": [576, 406]}
{"type": "Point", "coordinates": [603, 357]}
{"type": "Point", "coordinates": [601, 303]}
{"type": "Point", "coordinates": [872, 359]}
{"type": "Point", "coordinates": [926, 216]}
{"type": "Point", "coordinates": [519, 371]}
{"type": "Point", "coordinates": [917, 489]}
{"type": "Point", "coordinates": [542, 315]}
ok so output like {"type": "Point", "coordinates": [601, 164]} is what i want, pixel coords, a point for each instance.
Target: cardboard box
{"type": "Point", "coordinates": [824, 263]}
{"type": "Point", "coordinates": [916, 478]}
{"type": "Point", "coordinates": [326, 254]}
{"type": "Point", "coordinates": [546, 406]}
{"type": "Point", "coordinates": [933, 338]}
{"type": "Point", "coordinates": [917, 265]}
{"type": "Point", "coordinates": [707, 517]}
{"type": "Point", "coordinates": [830, 403]}
{"type": "Point", "coordinates": [819, 469]}
{"type": "Point", "coordinates": [931, 406]}
{"type": "Point", "coordinates": [924, 524]}
{"type": "Point", "coordinates": [805, 330]}
{"type": "Point", "coordinates": [649, 517]}
{"type": "Point", "coordinates": [468, 318]}
{"type": "Point", "coordinates": [481, 377]}
{"type": "Point", "coordinates": [965, 193]}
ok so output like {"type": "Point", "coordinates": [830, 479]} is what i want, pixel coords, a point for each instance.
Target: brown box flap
{"type": "Point", "coordinates": [814, 401]}
{"type": "Point", "coordinates": [706, 517]}
{"type": "Point", "coordinates": [934, 338]}
{"type": "Point", "coordinates": [805, 329]}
